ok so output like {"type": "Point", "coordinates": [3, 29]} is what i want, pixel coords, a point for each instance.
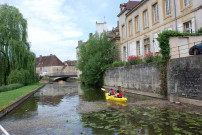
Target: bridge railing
{"type": "Point", "coordinates": [63, 74]}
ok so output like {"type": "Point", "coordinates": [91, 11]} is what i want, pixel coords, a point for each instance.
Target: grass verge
{"type": "Point", "coordinates": [9, 96]}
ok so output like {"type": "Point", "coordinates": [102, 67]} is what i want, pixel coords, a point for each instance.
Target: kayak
{"type": "Point", "coordinates": [112, 98]}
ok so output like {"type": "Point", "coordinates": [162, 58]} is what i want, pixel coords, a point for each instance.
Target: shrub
{"type": "Point", "coordinates": [133, 60]}
{"type": "Point", "coordinates": [10, 87]}
{"type": "Point", "coordinates": [20, 76]}
{"type": "Point", "coordinates": [149, 57]}
{"type": "Point", "coordinates": [45, 78]}
{"type": "Point", "coordinates": [200, 30]}
{"type": "Point", "coordinates": [118, 63]}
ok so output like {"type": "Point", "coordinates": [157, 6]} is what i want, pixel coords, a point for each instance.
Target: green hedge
{"type": "Point", "coordinates": [10, 87]}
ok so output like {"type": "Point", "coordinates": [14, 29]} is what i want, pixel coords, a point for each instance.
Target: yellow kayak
{"type": "Point", "coordinates": [112, 98]}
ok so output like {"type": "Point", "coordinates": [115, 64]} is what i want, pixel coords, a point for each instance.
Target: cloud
{"type": "Point", "coordinates": [55, 26]}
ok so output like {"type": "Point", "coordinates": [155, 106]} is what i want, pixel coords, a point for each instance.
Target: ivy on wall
{"type": "Point", "coordinates": [164, 45]}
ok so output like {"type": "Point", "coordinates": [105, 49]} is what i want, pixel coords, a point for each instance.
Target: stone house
{"type": "Point", "coordinates": [142, 21]}
{"type": "Point", "coordinates": [69, 67]}
{"type": "Point", "coordinates": [50, 64]}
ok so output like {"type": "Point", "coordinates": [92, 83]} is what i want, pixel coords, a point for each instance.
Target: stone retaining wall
{"type": "Point", "coordinates": [143, 77]}
{"type": "Point", "coordinates": [185, 77]}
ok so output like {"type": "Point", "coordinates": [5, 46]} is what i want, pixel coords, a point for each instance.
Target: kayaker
{"type": "Point", "coordinates": [118, 94]}
{"type": "Point", "coordinates": [111, 92]}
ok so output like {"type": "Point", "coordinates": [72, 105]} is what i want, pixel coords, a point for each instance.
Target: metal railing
{"type": "Point", "coordinates": [3, 131]}
{"type": "Point", "coordinates": [62, 73]}
{"type": "Point", "coordinates": [182, 50]}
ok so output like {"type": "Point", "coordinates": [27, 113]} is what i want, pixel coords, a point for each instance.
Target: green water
{"type": "Point", "coordinates": [73, 109]}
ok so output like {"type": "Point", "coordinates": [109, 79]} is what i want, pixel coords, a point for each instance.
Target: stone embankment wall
{"type": "Point", "coordinates": [143, 77]}
{"type": "Point", "coordinates": [185, 77]}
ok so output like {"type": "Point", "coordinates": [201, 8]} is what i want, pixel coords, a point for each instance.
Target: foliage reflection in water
{"type": "Point", "coordinates": [91, 93]}
{"type": "Point", "coordinates": [141, 120]}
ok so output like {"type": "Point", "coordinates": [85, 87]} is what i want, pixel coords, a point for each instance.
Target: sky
{"type": "Point", "coordinates": [56, 26]}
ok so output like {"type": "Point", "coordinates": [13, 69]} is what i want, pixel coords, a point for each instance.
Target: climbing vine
{"type": "Point", "coordinates": [164, 45]}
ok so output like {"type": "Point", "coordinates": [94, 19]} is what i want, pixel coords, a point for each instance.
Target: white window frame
{"type": "Point", "coordinates": [167, 7]}
{"type": "Point", "coordinates": [146, 23]}
{"type": "Point", "coordinates": [155, 10]}
{"type": "Point", "coordinates": [137, 23]}
{"type": "Point", "coordinates": [147, 45]}
{"type": "Point", "coordinates": [189, 28]}
{"type": "Point", "coordinates": [187, 2]}
{"type": "Point", "coordinates": [131, 27]}
{"type": "Point", "coordinates": [138, 48]}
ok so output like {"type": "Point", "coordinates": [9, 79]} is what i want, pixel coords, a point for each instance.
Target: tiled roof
{"type": "Point", "coordinates": [70, 63]}
{"type": "Point", "coordinates": [131, 4]}
{"type": "Point", "coordinates": [51, 60]}
{"type": "Point", "coordinates": [128, 6]}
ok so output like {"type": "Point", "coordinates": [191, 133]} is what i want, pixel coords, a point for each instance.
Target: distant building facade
{"type": "Point", "coordinates": [50, 64]}
{"type": "Point", "coordinates": [141, 22]}
{"type": "Point", "coordinates": [101, 27]}
{"type": "Point", "coordinates": [69, 67]}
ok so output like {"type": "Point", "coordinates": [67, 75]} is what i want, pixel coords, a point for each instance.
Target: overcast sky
{"type": "Point", "coordinates": [55, 26]}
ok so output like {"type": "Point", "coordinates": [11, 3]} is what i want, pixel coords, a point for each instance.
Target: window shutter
{"type": "Point", "coordinates": [134, 50]}
{"type": "Point", "coordinates": [122, 53]}
{"type": "Point", "coordinates": [141, 48]}
{"type": "Point", "coordinates": [156, 43]}
{"type": "Point", "coordinates": [180, 28]}
{"type": "Point", "coordinates": [193, 25]}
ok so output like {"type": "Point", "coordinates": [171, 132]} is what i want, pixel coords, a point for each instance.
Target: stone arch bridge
{"type": "Point", "coordinates": [62, 76]}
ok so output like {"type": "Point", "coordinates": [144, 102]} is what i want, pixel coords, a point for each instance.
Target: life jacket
{"type": "Point", "coordinates": [112, 92]}
{"type": "Point", "coordinates": [120, 95]}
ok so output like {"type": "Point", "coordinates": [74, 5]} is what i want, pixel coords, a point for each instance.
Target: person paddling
{"type": "Point", "coordinates": [118, 94]}
{"type": "Point", "coordinates": [111, 92]}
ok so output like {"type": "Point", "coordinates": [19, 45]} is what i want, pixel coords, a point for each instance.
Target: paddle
{"type": "Point", "coordinates": [105, 90]}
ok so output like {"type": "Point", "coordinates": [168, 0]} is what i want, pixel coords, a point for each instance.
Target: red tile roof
{"type": "Point", "coordinates": [51, 60]}
{"type": "Point", "coordinates": [131, 4]}
{"type": "Point", "coordinates": [128, 6]}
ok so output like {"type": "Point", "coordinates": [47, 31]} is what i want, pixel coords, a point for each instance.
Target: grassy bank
{"type": "Point", "coordinates": [9, 96]}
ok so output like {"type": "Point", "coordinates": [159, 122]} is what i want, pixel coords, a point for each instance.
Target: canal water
{"type": "Point", "coordinates": [72, 109]}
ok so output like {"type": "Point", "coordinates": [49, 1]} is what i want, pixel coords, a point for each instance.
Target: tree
{"type": "Point", "coordinates": [98, 52]}
{"type": "Point", "coordinates": [14, 48]}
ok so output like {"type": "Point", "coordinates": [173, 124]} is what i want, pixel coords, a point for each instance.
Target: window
{"type": "Point", "coordinates": [187, 3]}
{"type": "Point", "coordinates": [155, 12]}
{"type": "Point", "coordinates": [130, 27]}
{"type": "Point", "coordinates": [57, 69]}
{"type": "Point", "coordinates": [146, 45]}
{"type": "Point", "coordinates": [46, 69]}
{"type": "Point", "coordinates": [123, 32]}
{"type": "Point", "coordinates": [167, 7]}
{"type": "Point", "coordinates": [188, 27]}
{"type": "Point", "coordinates": [138, 48]}
{"type": "Point", "coordinates": [137, 23]}
{"type": "Point", "coordinates": [40, 69]}
{"type": "Point", "coordinates": [145, 17]}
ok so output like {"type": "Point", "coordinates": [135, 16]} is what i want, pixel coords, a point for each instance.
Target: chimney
{"type": "Point", "coordinates": [118, 23]}
{"type": "Point", "coordinates": [50, 54]}
{"type": "Point", "coordinates": [80, 42]}
{"type": "Point", "coordinates": [90, 35]}
{"type": "Point", "coordinates": [40, 56]}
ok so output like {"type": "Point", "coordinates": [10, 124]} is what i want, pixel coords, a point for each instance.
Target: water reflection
{"type": "Point", "coordinates": [52, 94]}
{"type": "Point", "coordinates": [88, 93]}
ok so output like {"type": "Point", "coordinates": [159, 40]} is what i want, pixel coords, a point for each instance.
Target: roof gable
{"type": "Point", "coordinates": [51, 60]}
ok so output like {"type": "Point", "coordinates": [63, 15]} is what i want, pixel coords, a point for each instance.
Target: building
{"type": "Point", "coordinates": [69, 67]}
{"type": "Point", "coordinates": [50, 64]}
{"type": "Point", "coordinates": [101, 27]}
{"type": "Point", "coordinates": [141, 22]}
{"type": "Point", "coordinates": [115, 36]}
